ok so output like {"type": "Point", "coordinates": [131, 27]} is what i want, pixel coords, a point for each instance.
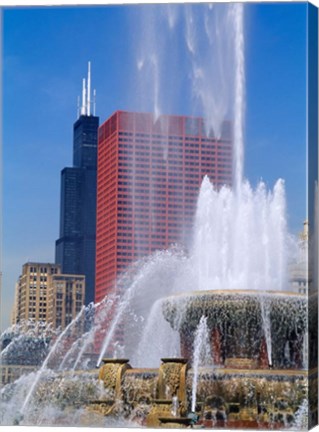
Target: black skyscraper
{"type": "Point", "coordinates": [75, 249]}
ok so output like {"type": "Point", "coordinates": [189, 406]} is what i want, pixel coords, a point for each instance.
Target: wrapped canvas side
{"type": "Point", "coordinates": [312, 141]}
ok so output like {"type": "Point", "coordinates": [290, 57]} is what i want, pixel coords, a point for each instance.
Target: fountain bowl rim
{"type": "Point", "coordinates": [241, 292]}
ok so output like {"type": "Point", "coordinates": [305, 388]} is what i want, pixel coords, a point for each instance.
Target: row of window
{"type": "Point", "coordinates": [44, 270]}
{"type": "Point", "coordinates": [165, 137]}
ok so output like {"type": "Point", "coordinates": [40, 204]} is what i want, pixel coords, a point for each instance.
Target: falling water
{"type": "Point", "coordinates": [48, 358]}
{"type": "Point", "coordinates": [165, 344]}
{"type": "Point", "coordinates": [23, 337]}
{"type": "Point", "coordinates": [17, 343]}
{"type": "Point", "coordinates": [301, 417]}
{"type": "Point", "coordinates": [100, 312]}
{"type": "Point", "coordinates": [120, 310]}
{"type": "Point", "coordinates": [305, 351]}
{"type": "Point", "coordinates": [265, 315]}
{"type": "Point", "coordinates": [159, 271]}
{"type": "Point", "coordinates": [71, 352]}
{"type": "Point", "coordinates": [201, 355]}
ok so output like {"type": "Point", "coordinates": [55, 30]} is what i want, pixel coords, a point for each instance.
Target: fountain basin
{"type": "Point", "coordinates": [238, 328]}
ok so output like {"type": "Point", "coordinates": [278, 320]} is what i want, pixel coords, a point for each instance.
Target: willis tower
{"type": "Point", "coordinates": [76, 246]}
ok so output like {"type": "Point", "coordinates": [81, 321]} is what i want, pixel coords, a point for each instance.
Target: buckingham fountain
{"type": "Point", "coordinates": [223, 344]}
{"type": "Point", "coordinates": [224, 377]}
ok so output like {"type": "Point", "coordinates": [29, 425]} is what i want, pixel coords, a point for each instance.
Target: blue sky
{"type": "Point", "coordinates": [45, 54]}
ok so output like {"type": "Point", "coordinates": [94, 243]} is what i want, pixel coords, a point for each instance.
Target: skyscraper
{"type": "Point", "coordinates": [149, 174]}
{"type": "Point", "coordinates": [75, 248]}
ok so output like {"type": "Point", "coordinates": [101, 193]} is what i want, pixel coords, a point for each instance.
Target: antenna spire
{"type": "Point", "coordinates": [83, 107]}
{"type": "Point", "coordinates": [88, 109]}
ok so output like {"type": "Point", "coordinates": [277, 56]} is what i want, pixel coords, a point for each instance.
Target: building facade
{"type": "Point", "coordinates": [32, 292]}
{"type": "Point", "coordinates": [44, 294]}
{"type": "Point", "coordinates": [149, 174]}
{"type": "Point", "coordinates": [66, 298]}
{"type": "Point", "coordinates": [75, 248]}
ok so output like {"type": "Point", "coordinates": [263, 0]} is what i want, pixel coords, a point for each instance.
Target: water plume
{"type": "Point", "coordinates": [240, 243]}
{"type": "Point", "coordinates": [201, 355]}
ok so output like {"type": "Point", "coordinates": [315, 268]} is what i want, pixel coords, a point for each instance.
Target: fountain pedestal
{"type": "Point", "coordinates": [111, 374]}
{"type": "Point", "coordinates": [172, 379]}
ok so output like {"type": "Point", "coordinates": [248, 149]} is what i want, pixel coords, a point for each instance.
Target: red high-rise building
{"type": "Point", "coordinates": [149, 174]}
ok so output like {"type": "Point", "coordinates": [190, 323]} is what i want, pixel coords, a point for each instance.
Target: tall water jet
{"type": "Point", "coordinates": [265, 313]}
{"type": "Point", "coordinates": [201, 355]}
{"type": "Point", "coordinates": [239, 110]}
